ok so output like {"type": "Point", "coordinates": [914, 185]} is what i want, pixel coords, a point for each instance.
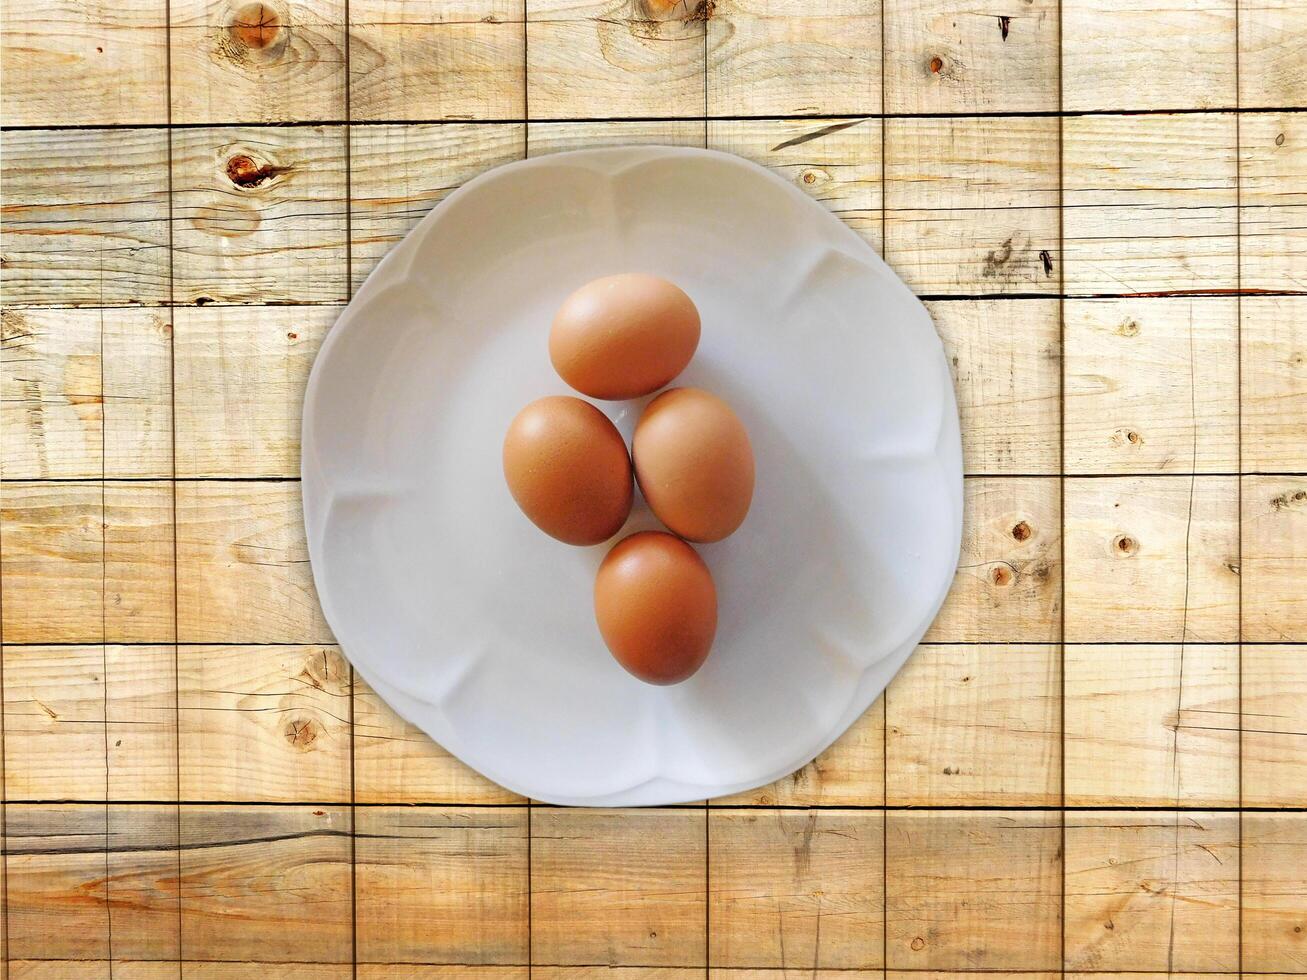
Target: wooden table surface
{"type": "Point", "coordinates": [1095, 765]}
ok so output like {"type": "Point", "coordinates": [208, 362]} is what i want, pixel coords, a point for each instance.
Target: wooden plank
{"type": "Point", "coordinates": [1153, 725]}
{"type": "Point", "coordinates": [1274, 892]}
{"type": "Point", "coordinates": [973, 890]}
{"type": "Point", "coordinates": [396, 762]}
{"type": "Point", "coordinates": [85, 217]}
{"type": "Point", "coordinates": [1274, 562]}
{"type": "Point", "coordinates": [141, 720]}
{"type": "Point", "coordinates": [437, 60]}
{"type": "Point", "coordinates": [56, 869]}
{"type": "Point", "coordinates": [139, 593]}
{"type": "Point", "coordinates": [1113, 50]}
{"type": "Point", "coordinates": [559, 137]}
{"type": "Point", "coordinates": [975, 725]}
{"type": "Point", "coordinates": [1152, 558]}
{"type": "Point", "coordinates": [1271, 69]}
{"type": "Point", "coordinates": [1150, 203]}
{"type": "Point", "coordinates": [618, 887]}
{"type": "Point", "coordinates": [243, 571]}
{"type": "Point", "coordinates": [1152, 891]}
{"type": "Point", "coordinates": [259, 214]}
{"type": "Point", "coordinates": [70, 63]}
{"type": "Point", "coordinates": [266, 724]}
{"type": "Point", "coordinates": [849, 773]}
{"type": "Point", "coordinates": [92, 970]}
{"type": "Point", "coordinates": [1273, 201]}
{"type": "Point", "coordinates": [971, 204]}
{"type": "Point", "coordinates": [586, 60]}
{"type": "Point", "coordinates": [1006, 365]}
{"type": "Point", "coordinates": [795, 888]}
{"type": "Point", "coordinates": [413, 971]}
{"type": "Point", "coordinates": [279, 61]}
{"type": "Point", "coordinates": [993, 57]}
{"type": "Point", "coordinates": [240, 388]}
{"type": "Point", "coordinates": [786, 58]}
{"type": "Point", "coordinates": [616, 973]}
{"type": "Point", "coordinates": [835, 161]}
{"type": "Point", "coordinates": [89, 723]}
{"type": "Point", "coordinates": [1274, 726]}
{"type": "Point", "coordinates": [440, 885]}
{"type": "Point", "coordinates": [87, 563]}
{"type": "Point", "coordinates": [1008, 583]}
{"type": "Point", "coordinates": [398, 173]}
{"type": "Point", "coordinates": [1273, 383]}
{"type": "Point", "coordinates": [54, 719]}
{"type": "Point", "coordinates": [85, 393]}
{"type": "Point", "coordinates": [266, 883]}
{"type": "Point", "coordinates": [1152, 385]}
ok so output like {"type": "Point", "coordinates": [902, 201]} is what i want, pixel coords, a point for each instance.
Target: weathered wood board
{"type": "Point", "coordinates": [1094, 766]}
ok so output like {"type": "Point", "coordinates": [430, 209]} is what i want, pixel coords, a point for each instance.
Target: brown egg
{"type": "Point", "coordinates": [567, 468]}
{"type": "Point", "coordinates": [694, 463]}
{"type": "Point", "coordinates": [623, 336]}
{"type": "Point", "coordinates": [656, 606]}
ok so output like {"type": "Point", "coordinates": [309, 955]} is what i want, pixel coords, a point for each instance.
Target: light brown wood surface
{"type": "Point", "coordinates": [1094, 766]}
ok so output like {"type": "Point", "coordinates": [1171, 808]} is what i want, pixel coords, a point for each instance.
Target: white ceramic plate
{"type": "Point", "coordinates": [479, 629]}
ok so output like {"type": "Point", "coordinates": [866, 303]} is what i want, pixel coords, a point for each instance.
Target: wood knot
{"type": "Point", "coordinates": [1001, 575]}
{"type": "Point", "coordinates": [243, 171]}
{"type": "Point", "coordinates": [302, 732]}
{"type": "Point", "coordinates": [1279, 140]}
{"type": "Point", "coordinates": [1124, 545]}
{"type": "Point", "coordinates": [1287, 500]}
{"type": "Point", "coordinates": [918, 944]}
{"type": "Point", "coordinates": [936, 65]}
{"type": "Point", "coordinates": [1021, 531]}
{"type": "Point", "coordinates": [1124, 437]}
{"type": "Point", "coordinates": [1129, 327]}
{"type": "Point", "coordinates": [256, 26]}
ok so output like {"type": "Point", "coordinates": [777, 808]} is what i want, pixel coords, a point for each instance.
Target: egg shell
{"type": "Point", "coordinates": [656, 607]}
{"type": "Point", "coordinates": [623, 336]}
{"type": "Point", "coordinates": [568, 469]}
{"type": "Point", "coordinates": [694, 464]}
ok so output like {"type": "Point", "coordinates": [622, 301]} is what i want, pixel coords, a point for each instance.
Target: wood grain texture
{"type": "Point", "coordinates": [243, 567]}
{"type": "Point", "coordinates": [796, 888]}
{"type": "Point", "coordinates": [240, 387]}
{"type": "Point", "coordinates": [619, 887]}
{"type": "Point", "coordinates": [973, 889]}
{"type": "Point", "coordinates": [1274, 892]}
{"type": "Point", "coordinates": [1113, 50]}
{"type": "Point", "coordinates": [975, 725]}
{"type": "Point", "coordinates": [266, 883]}
{"type": "Point", "coordinates": [85, 217]}
{"type": "Point", "coordinates": [108, 62]}
{"type": "Point", "coordinates": [440, 885]}
{"type": "Point", "coordinates": [267, 724]}
{"type": "Point", "coordinates": [1008, 586]}
{"type": "Point", "coordinates": [1274, 564]}
{"type": "Point", "coordinates": [1152, 891]}
{"type": "Point", "coordinates": [946, 56]}
{"type": "Point", "coordinates": [1152, 558]}
{"type": "Point", "coordinates": [971, 204]}
{"type": "Point", "coordinates": [194, 784]}
{"type": "Point", "coordinates": [787, 57]}
{"type": "Point", "coordinates": [259, 215]}
{"type": "Point", "coordinates": [87, 562]}
{"type": "Point", "coordinates": [1152, 385]}
{"type": "Point", "coordinates": [1152, 725]}
{"type": "Point", "coordinates": [433, 60]}
{"type": "Point", "coordinates": [1005, 357]}
{"type": "Point", "coordinates": [259, 62]}
{"type": "Point", "coordinates": [1273, 384]}
{"type": "Point", "coordinates": [589, 59]}
{"type": "Point", "coordinates": [85, 394]}
{"type": "Point", "coordinates": [1149, 203]}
